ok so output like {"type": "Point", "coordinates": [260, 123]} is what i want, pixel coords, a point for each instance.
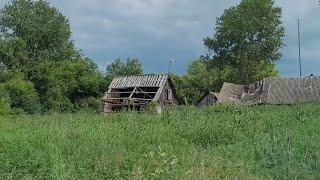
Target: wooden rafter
{"type": "Point", "coordinates": [134, 90]}
{"type": "Point", "coordinates": [145, 93]}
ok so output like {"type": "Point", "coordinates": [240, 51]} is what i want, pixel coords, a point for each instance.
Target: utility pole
{"type": "Point", "coordinates": [299, 48]}
{"type": "Point", "coordinates": [170, 62]}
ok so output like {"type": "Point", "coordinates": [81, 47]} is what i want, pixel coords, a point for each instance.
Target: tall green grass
{"type": "Point", "coordinates": [223, 142]}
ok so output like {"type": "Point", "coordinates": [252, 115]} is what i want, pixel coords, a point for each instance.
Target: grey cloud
{"type": "Point", "coordinates": [157, 30]}
{"type": "Point", "coordinates": [152, 30]}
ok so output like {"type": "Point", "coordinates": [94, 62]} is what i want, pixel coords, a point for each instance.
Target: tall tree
{"type": "Point", "coordinates": [35, 43]}
{"type": "Point", "coordinates": [33, 32]}
{"type": "Point", "coordinates": [45, 31]}
{"type": "Point", "coordinates": [245, 36]}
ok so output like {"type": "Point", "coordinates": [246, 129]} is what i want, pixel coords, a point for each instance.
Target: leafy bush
{"type": "Point", "coordinates": [90, 103]}
{"type": "Point", "coordinates": [22, 95]}
{"type": "Point", "coordinates": [5, 103]}
{"type": "Point", "coordinates": [58, 102]}
{"type": "Point", "coordinates": [65, 86]}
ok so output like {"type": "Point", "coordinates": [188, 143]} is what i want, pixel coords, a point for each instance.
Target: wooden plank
{"type": "Point", "coordinates": [154, 80]}
{"type": "Point", "coordinates": [119, 92]}
{"type": "Point", "coordinates": [158, 80]}
{"type": "Point", "coordinates": [160, 89]}
{"type": "Point", "coordinates": [145, 93]}
{"type": "Point", "coordinates": [134, 90]}
{"type": "Point", "coordinates": [107, 93]}
{"type": "Point", "coordinates": [116, 82]}
{"type": "Point", "coordinates": [142, 99]}
{"type": "Point", "coordinates": [129, 81]}
{"type": "Point", "coordinates": [137, 81]}
{"type": "Point", "coordinates": [149, 80]}
{"type": "Point", "coordinates": [145, 81]}
{"type": "Point", "coordinates": [116, 98]}
{"type": "Point", "coordinates": [133, 81]}
{"type": "Point", "coordinates": [123, 82]}
{"type": "Point", "coordinates": [161, 79]}
{"type": "Point", "coordinates": [142, 81]}
{"type": "Point", "coordinates": [112, 83]}
{"type": "Point", "coordinates": [131, 104]}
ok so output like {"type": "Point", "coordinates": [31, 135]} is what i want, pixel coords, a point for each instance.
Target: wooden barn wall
{"type": "Point", "coordinates": [164, 99]}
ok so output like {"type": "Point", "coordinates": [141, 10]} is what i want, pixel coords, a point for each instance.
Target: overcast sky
{"type": "Point", "coordinates": [157, 30]}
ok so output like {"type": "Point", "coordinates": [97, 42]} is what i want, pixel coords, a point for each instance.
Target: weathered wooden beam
{"type": "Point", "coordinates": [143, 99]}
{"type": "Point", "coordinates": [162, 84]}
{"type": "Point", "coordinates": [145, 93]}
{"type": "Point", "coordinates": [120, 92]}
{"type": "Point", "coordinates": [121, 88]}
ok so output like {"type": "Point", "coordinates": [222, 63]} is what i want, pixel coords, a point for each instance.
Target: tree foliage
{"type": "Point", "coordinates": [247, 36]}
{"type": "Point", "coordinates": [44, 30]}
{"type": "Point", "coordinates": [36, 44]}
{"type": "Point", "coordinates": [129, 67]}
{"type": "Point", "coordinates": [198, 81]}
{"type": "Point", "coordinates": [18, 95]}
{"type": "Point", "coordinates": [123, 68]}
{"type": "Point", "coordinates": [73, 81]}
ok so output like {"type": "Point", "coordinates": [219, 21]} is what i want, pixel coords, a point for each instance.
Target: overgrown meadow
{"type": "Point", "coordinates": [223, 142]}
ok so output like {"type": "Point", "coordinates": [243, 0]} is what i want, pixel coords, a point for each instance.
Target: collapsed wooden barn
{"type": "Point", "coordinates": [137, 92]}
{"type": "Point", "coordinates": [277, 91]}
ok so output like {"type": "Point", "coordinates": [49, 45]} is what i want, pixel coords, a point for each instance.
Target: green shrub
{"type": "Point", "coordinates": [90, 103]}
{"type": "Point", "coordinates": [58, 102]}
{"type": "Point", "coordinates": [22, 95]}
{"type": "Point", "coordinates": [5, 103]}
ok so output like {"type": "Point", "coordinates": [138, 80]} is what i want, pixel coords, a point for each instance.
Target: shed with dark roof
{"type": "Point", "coordinates": [208, 100]}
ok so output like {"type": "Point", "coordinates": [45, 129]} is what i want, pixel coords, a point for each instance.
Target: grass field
{"type": "Point", "coordinates": [225, 142]}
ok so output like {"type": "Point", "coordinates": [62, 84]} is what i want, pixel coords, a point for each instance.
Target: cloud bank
{"type": "Point", "coordinates": [156, 31]}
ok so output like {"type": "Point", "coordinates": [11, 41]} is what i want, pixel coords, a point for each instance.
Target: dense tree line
{"type": "Point", "coordinates": [40, 68]}
{"type": "Point", "coordinates": [42, 71]}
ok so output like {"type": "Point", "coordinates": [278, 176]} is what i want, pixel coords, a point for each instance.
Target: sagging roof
{"type": "Point", "coordinates": [143, 81]}
{"type": "Point", "coordinates": [215, 94]}
{"type": "Point", "coordinates": [150, 80]}
{"type": "Point", "coordinates": [272, 91]}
